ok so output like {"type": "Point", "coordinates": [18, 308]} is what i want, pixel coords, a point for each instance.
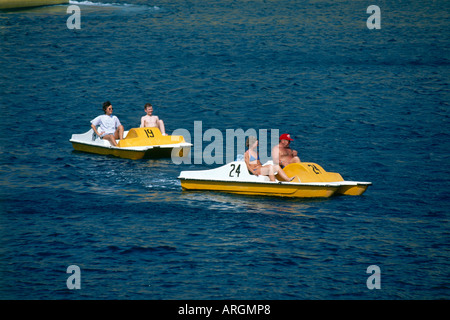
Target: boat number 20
{"type": "Point", "coordinates": [235, 170]}
{"type": "Point", "coordinates": [149, 133]}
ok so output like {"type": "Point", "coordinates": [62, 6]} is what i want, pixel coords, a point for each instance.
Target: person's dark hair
{"type": "Point", "coordinates": [106, 105]}
{"type": "Point", "coordinates": [147, 105]}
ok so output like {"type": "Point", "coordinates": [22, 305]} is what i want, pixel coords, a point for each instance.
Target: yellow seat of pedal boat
{"type": "Point", "coordinates": [312, 172]}
{"type": "Point", "coordinates": [141, 137]}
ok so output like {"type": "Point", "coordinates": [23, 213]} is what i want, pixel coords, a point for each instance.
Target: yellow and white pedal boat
{"type": "Point", "coordinates": [13, 4]}
{"type": "Point", "coordinates": [138, 143]}
{"type": "Point", "coordinates": [311, 181]}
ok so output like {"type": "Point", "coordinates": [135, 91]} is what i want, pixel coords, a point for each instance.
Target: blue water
{"type": "Point", "coordinates": [372, 105]}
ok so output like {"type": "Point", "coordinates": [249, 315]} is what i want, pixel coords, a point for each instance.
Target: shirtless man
{"type": "Point", "coordinates": [282, 154]}
{"type": "Point", "coordinates": [152, 121]}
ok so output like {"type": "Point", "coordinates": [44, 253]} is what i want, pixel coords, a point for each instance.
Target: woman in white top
{"type": "Point", "coordinates": [110, 127]}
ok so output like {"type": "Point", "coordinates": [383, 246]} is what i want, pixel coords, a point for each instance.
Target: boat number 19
{"type": "Point", "coordinates": [235, 169]}
{"type": "Point", "coordinates": [149, 133]}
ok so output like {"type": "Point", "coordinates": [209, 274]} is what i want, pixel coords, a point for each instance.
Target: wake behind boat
{"type": "Point", "coordinates": [311, 181]}
{"type": "Point", "coordinates": [138, 143]}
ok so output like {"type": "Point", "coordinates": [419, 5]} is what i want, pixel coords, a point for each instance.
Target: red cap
{"type": "Point", "coordinates": [286, 136]}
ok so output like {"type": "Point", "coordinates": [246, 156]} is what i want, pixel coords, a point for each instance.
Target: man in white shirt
{"type": "Point", "coordinates": [110, 127]}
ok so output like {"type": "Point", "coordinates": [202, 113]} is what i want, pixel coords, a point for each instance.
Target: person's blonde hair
{"type": "Point", "coordinates": [250, 141]}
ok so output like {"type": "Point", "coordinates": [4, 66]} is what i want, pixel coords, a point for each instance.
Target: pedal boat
{"type": "Point", "coordinates": [310, 181]}
{"type": "Point", "coordinates": [138, 143]}
{"type": "Point", "coordinates": [13, 4]}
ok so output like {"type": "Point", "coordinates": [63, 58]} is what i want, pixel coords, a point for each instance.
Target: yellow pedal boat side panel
{"type": "Point", "coordinates": [141, 137]}
{"type": "Point", "coordinates": [248, 188]}
{"type": "Point", "coordinates": [127, 154]}
{"type": "Point", "coordinates": [12, 4]}
{"type": "Point", "coordinates": [355, 190]}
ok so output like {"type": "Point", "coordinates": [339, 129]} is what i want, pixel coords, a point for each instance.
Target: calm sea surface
{"type": "Point", "coordinates": [372, 105]}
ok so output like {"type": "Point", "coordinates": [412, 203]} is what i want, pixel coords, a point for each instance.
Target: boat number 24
{"type": "Point", "coordinates": [235, 170]}
{"type": "Point", "coordinates": [314, 168]}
